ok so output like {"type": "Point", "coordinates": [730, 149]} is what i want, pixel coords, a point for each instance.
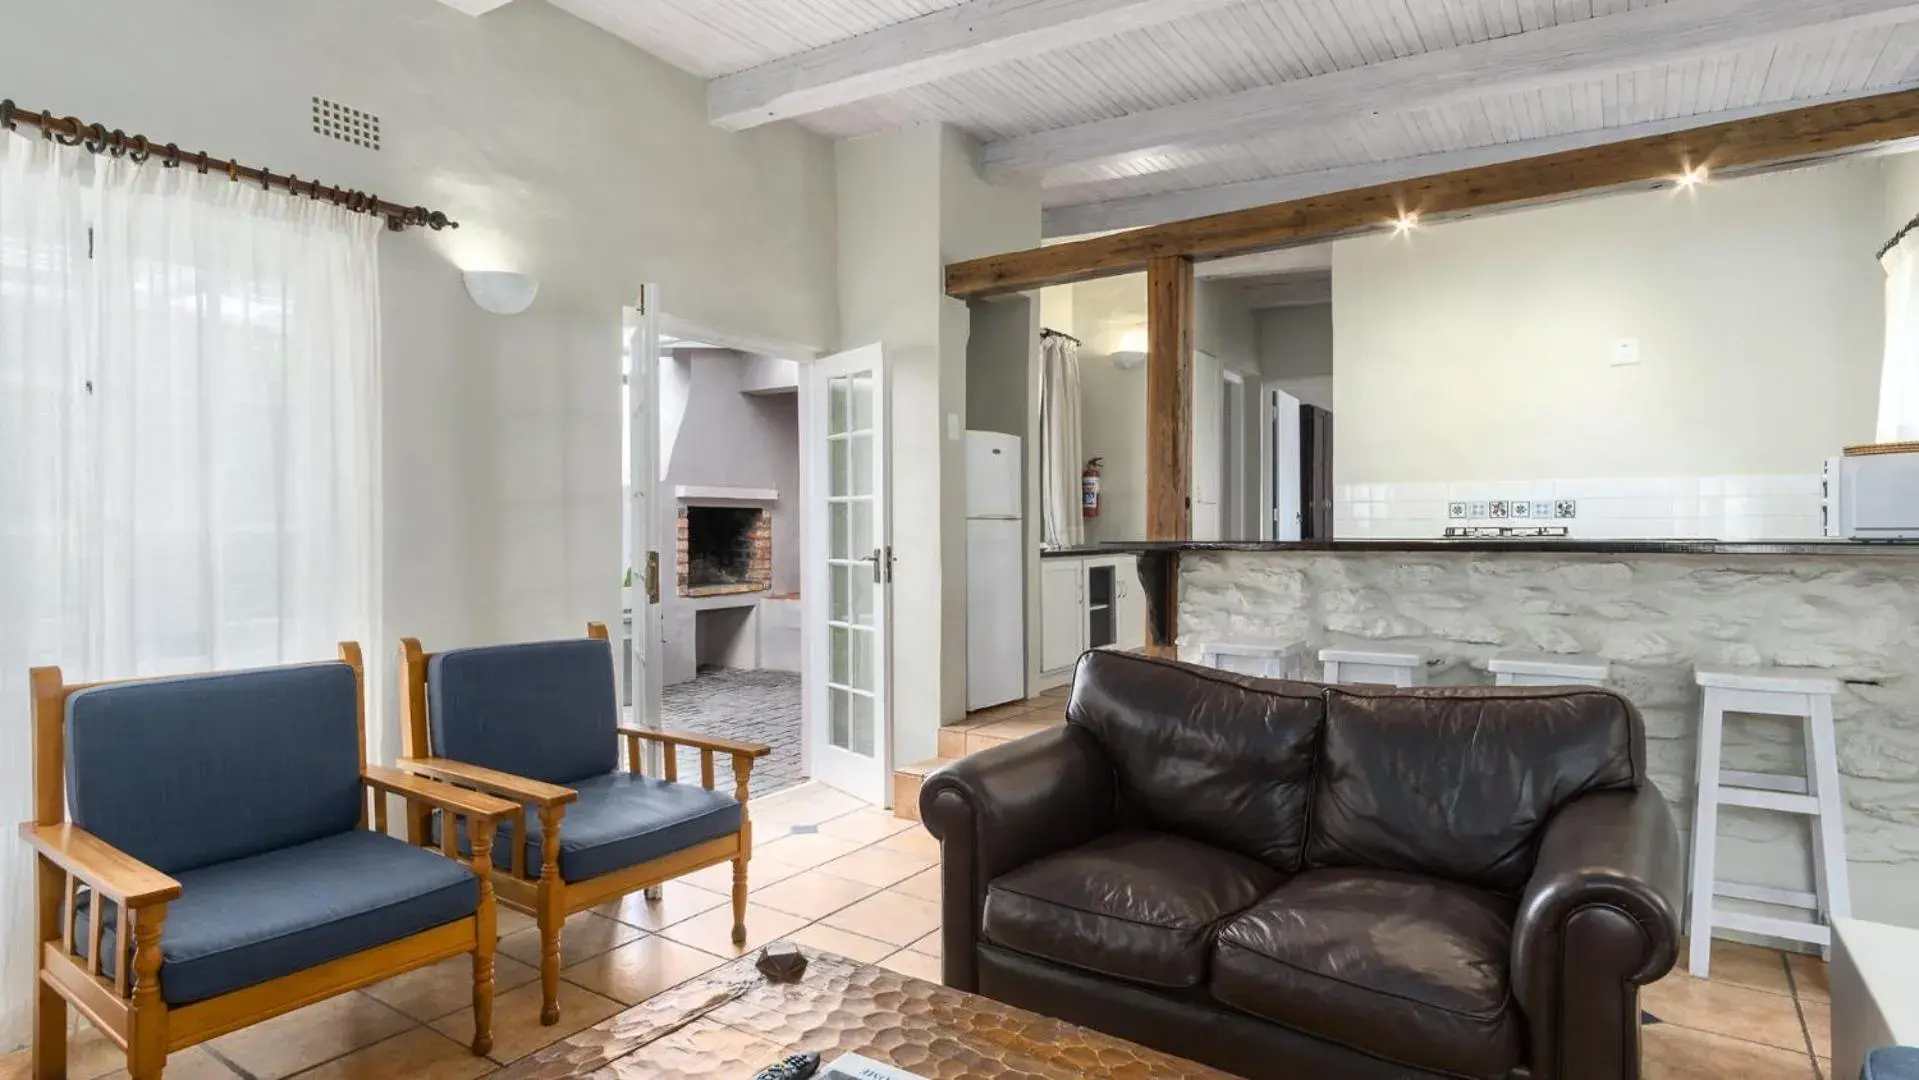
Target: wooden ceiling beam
{"type": "Point", "coordinates": [1568, 52]}
{"type": "Point", "coordinates": [1749, 145]}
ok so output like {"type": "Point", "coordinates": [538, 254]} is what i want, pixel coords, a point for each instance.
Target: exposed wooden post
{"type": "Point", "coordinates": [1169, 414]}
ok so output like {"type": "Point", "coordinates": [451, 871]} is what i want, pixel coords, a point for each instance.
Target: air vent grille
{"type": "Point", "coordinates": [345, 123]}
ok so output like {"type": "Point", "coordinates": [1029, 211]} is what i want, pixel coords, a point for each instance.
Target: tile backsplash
{"type": "Point", "coordinates": [1743, 507]}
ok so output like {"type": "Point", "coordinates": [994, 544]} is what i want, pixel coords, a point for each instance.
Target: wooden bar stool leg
{"type": "Point", "coordinates": [1829, 846]}
{"type": "Point", "coordinates": [1705, 830]}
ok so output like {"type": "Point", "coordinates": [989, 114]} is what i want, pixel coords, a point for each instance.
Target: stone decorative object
{"type": "Point", "coordinates": [732, 1022]}
{"type": "Point", "coordinates": [1651, 617]}
{"type": "Point", "coordinates": [781, 962]}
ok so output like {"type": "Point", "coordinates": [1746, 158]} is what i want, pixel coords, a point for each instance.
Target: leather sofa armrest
{"type": "Point", "coordinates": [1598, 919]}
{"type": "Point", "coordinates": [1002, 808]}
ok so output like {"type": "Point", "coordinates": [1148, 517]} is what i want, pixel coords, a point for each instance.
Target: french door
{"type": "Point", "coordinates": [642, 644]}
{"type": "Point", "coordinates": [849, 573]}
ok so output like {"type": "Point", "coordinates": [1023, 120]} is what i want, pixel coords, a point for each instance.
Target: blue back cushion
{"type": "Point", "coordinates": [545, 711]}
{"type": "Point", "coordinates": [188, 772]}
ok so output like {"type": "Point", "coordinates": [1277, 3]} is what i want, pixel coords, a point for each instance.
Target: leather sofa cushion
{"type": "Point", "coordinates": [1221, 758]}
{"type": "Point", "coordinates": [545, 710]}
{"type": "Point", "coordinates": [1134, 905]}
{"type": "Point", "coordinates": [620, 820]}
{"type": "Point", "coordinates": [1456, 782]}
{"type": "Point", "coordinates": [187, 772]}
{"type": "Point", "coordinates": [241, 923]}
{"type": "Point", "coordinates": [1406, 968]}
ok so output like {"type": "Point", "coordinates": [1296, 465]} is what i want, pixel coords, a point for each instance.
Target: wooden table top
{"type": "Point", "coordinates": [732, 1022]}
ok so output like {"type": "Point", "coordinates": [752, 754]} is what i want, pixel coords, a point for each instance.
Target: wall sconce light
{"type": "Point", "coordinates": [501, 292]}
{"type": "Point", "coordinates": [1691, 178]}
{"type": "Point", "coordinates": [1131, 352]}
{"type": "Point", "coordinates": [1405, 223]}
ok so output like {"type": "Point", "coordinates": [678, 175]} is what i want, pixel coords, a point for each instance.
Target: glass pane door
{"type": "Point", "coordinates": [849, 719]}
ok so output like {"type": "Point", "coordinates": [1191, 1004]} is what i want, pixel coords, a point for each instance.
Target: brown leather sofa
{"type": "Point", "coordinates": [1292, 880]}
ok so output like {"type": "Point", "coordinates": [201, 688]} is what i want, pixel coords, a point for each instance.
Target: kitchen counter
{"type": "Point", "coordinates": [1652, 610]}
{"type": "Point", "coordinates": [1085, 551]}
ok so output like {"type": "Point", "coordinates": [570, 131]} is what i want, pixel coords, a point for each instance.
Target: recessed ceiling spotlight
{"type": "Point", "coordinates": [1405, 223]}
{"type": "Point", "coordinates": [1692, 178]}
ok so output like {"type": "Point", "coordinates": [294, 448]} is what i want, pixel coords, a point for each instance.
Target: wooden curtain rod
{"type": "Point", "coordinates": [1050, 332]}
{"type": "Point", "coordinates": [72, 131]}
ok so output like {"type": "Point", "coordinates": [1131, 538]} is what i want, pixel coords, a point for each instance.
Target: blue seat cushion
{"type": "Point", "coordinates": [188, 772]}
{"type": "Point", "coordinates": [1891, 1063]}
{"type": "Point", "coordinates": [242, 923]}
{"type": "Point", "coordinates": [545, 711]}
{"type": "Point", "coordinates": [621, 820]}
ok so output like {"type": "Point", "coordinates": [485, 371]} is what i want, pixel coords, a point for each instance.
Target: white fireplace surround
{"type": "Point", "coordinates": [689, 493]}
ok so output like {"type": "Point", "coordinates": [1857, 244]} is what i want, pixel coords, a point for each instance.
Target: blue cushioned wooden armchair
{"type": "Point", "coordinates": [227, 859]}
{"type": "Point", "coordinates": [539, 723]}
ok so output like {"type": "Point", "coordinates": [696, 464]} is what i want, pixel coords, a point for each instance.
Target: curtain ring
{"type": "Point", "coordinates": [46, 125]}
{"type": "Point", "coordinates": [139, 149]}
{"type": "Point", "coordinates": [205, 161]}
{"type": "Point", "coordinates": [313, 190]}
{"type": "Point", "coordinates": [74, 139]}
{"type": "Point", "coordinates": [96, 139]}
{"type": "Point", "coordinates": [6, 115]}
{"type": "Point", "coordinates": [233, 171]}
{"type": "Point", "coordinates": [266, 178]}
{"type": "Point", "coordinates": [172, 160]}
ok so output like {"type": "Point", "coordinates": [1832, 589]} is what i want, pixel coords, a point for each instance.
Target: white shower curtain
{"type": "Point", "coordinates": [188, 444]}
{"type": "Point", "coordinates": [1061, 522]}
{"type": "Point", "coordinates": [1899, 380]}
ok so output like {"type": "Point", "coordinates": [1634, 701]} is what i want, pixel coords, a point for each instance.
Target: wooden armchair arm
{"type": "Point", "coordinates": [703, 742]}
{"type": "Point", "coordinates": [108, 870]}
{"type": "Point", "coordinates": [473, 804]}
{"type": "Point", "coordinates": [492, 781]}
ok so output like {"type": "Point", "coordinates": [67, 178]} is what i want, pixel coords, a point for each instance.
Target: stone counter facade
{"type": "Point", "coordinates": [1652, 617]}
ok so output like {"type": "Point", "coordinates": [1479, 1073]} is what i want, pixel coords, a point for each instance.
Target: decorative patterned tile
{"type": "Point", "coordinates": [1566, 508]}
{"type": "Point", "coordinates": [1542, 508]}
{"type": "Point", "coordinates": [1456, 511]}
{"type": "Point", "coordinates": [1477, 511]}
{"type": "Point", "coordinates": [1501, 508]}
{"type": "Point", "coordinates": [1522, 509]}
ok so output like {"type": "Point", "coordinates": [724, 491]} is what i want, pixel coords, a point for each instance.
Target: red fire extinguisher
{"type": "Point", "coordinates": [1089, 489]}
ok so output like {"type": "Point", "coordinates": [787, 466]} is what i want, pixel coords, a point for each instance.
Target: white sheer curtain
{"type": "Point", "coordinates": [1061, 522]}
{"type": "Point", "coordinates": [1899, 380]}
{"type": "Point", "coordinates": [188, 442]}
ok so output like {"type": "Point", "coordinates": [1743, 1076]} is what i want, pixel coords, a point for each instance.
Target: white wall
{"type": "Point", "coordinates": [1479, 350]}
{"type": "Point", "coordinates": [1296, 351]}
{"type": "Point", "coordinates": [545, 138]}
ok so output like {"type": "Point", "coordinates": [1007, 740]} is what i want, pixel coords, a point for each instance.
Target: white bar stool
{"type": "Point", "coordinates": [1378, 667]}
{"type": "Point", "coordinates": [1547, 669]}
{"type": "Point", "coordinates": [1806, 694]}
{"type": "Point", "coordinates": [1244, 658]}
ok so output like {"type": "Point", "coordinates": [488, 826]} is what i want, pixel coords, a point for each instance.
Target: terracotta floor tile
{"type": "Point", "coordinates": [517, 1031]}
{"type": "Point", "coordinates": [1825, 1068]}
{"type": "Point", "coordinates": [812, 895]}
{"type": "Point", "coordinates": [951, 743]}
{"type": "Point", "coordinates": [713, 931]}
{"type": "Point", "coordinates": [1725, 1009]}
{"type": "Point", "coordinates": [1739, 964]}
{"type": "Point", "coordinates": [639, 969]}
{"type": "Point", "coordinates": [678, 901]}
{"type": "Point", "coordinates": [845, 943]}
{"type": "Point", "coordinates": [1020, 727]}
{"type": "Point", "coordinates": [890, 916]}
{"type": "Point", "coordinates": [804, 850]}
{"type": "Point", "coordinates": [985, 738]}
{"type": "Point", "coordinates": [878, 866]}
{"type": "Point", "coordinates": [864, 826]}
{"type": "Point", "coordinates": [916, 841]}
{"type": "Point", "coordinates": [982, 717]}
{"type": "Point", "coordinates": [930, 945]}
{"type": "Point", "coordinates": [1818, 1017]}
{"type": "Point", "coordinates": [419, 1054]}
{"type": "Point", "coordinates": [193, 1063]}
{"type": "Point", "coordinates": [584, 934]}
{"type": "Point", "coordinates": [19, 1065]}
{"type": "Point", "coordinates": [925, 884]}
{"type": "Point", "coordinates": [90, 1055]}
{"type": "Point", "coordinates": [1809, 977]}
{"type": "Point", "coordinates": [311, 1036]}
{"type": "Point", "coordinates": [509, 921]}
{"type": "Point", "coordinates": [433, 991]}
{"type": "Point", "coordinates": [760, 870]}
{"type": "Point", "coordinates": [1670, 1052]}
{"type": "Point", "coordinates": [913, 965]}
{"type": "Point", "coordinates": [804, 806]}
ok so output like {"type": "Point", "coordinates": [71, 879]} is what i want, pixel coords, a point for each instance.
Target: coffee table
{"type": "Point", "coordinates": [732, 1022]}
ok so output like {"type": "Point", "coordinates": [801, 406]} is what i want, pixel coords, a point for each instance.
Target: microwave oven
{"type": "Point", "coordinates": [1873, 497]}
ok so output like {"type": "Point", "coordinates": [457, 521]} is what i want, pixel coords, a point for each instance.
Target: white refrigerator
{"type": "Point", "coordinates": [995, 571]}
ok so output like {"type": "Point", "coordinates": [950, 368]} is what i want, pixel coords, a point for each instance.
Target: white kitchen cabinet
{"type": "Point", "coordinates": [1093, 602]}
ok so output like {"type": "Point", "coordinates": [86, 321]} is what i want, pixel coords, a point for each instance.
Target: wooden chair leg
{"type": "Point", "coordinates": [147, 1049]}
{"type": "Point", "coordinates": [552, 914]}
{"type": "Point", "coordinates": [49, 1008]}
{"type": "Point", "coordinates": [739, 900]}
{"type": "Point", "coordinates": [487, 938]}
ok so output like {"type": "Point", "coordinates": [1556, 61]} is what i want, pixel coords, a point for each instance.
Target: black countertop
{"type": "Point", "coordinates": [1553, 546]}
{"type": "Point", "coordinates": [1085, 550]}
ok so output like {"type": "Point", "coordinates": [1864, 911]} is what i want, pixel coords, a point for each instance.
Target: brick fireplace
{"type": "Point", "coordinates": [723, 550]}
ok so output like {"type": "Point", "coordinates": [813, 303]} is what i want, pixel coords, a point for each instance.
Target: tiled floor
{"type": "Point", "coordinates": [833, 874]}
{"type": "Point", "coordinates": [750, 706]}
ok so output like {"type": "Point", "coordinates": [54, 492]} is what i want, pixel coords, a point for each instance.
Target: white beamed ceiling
{"type": "Point", "coordinates": [1072, 78]}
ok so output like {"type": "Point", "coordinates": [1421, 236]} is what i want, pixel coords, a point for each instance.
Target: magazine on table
{"type": "Point", "coordinates": [855, 1067]}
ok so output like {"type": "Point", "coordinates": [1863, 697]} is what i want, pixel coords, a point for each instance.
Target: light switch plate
{"type": "Point", "coordinates": [1625, 352]}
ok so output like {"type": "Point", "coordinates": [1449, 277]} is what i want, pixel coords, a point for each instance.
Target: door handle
{"type": "Point", "coordinates": [882, 560]}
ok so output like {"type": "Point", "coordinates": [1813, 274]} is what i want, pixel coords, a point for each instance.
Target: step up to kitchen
{"type": "Point", "coordinates": [978, 731]}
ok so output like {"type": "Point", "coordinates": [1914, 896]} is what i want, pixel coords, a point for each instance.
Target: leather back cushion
{"type": "Point", "coordinates": [188, 772]}
{"type": "Point", "coordinates": [1455, 782]}
{"type": "Point", "coordinates": [1221, 758]}
{"type": "Point", "coordinates": [544, 710]}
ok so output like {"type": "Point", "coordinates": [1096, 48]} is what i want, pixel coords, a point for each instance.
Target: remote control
{"type": "Point", "coordinates": [797, 1067]}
